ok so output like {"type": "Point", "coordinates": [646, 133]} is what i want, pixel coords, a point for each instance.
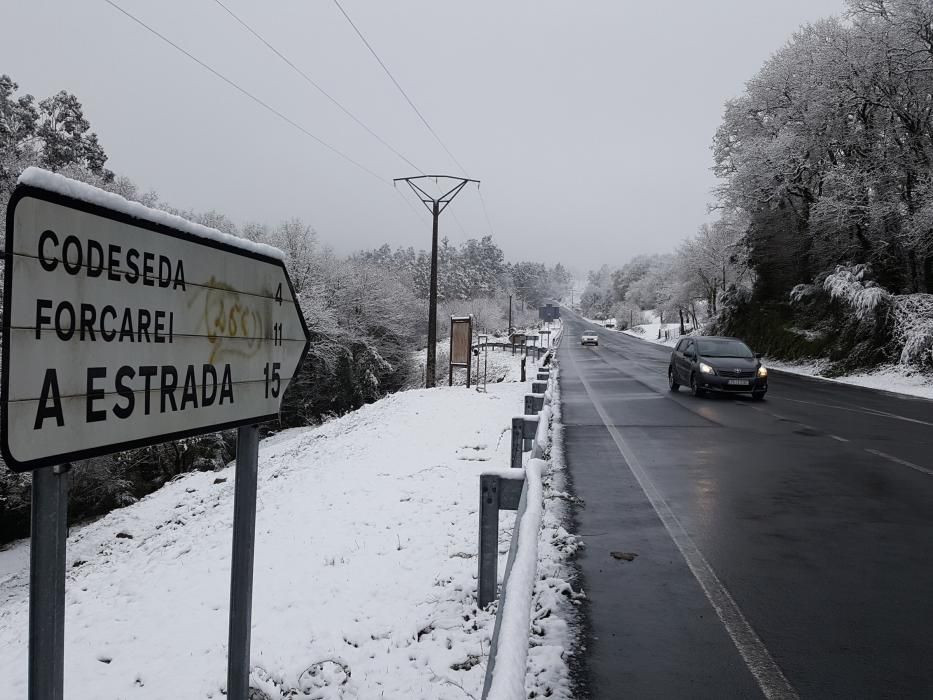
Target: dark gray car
{"type": "Point", "coordinates": [712, 363]}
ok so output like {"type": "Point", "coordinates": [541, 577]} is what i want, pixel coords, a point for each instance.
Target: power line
{"type": "Point", "coordinates": [418, 112]}
{"type": "Point", "coordinates": [482, 200]}
{"type": "Point", "coordinates": [392, 78]}
{"type": "Point", "coordinates": [248, 94]}
{"type": "Point", "coordinates": [311, 82]}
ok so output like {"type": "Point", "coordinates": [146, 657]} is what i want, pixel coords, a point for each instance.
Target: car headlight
{"type": "Point", "coordinates": [762, 372]}
{"type": "Point", "coordinates": [706, 369]}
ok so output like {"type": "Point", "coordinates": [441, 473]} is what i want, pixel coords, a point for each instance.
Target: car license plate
{"type": "Point", "coordinates": [739, 382]}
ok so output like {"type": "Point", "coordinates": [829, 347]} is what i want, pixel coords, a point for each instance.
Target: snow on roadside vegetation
{"type": "Point", "coordinates": [364, 578]}
{"type": "Point", "coordinates": [899, 379]}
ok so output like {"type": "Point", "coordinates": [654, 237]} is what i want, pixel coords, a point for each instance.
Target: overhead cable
{"type": "Point", "coordinates": [249, 94]}
{"type": "Point", "coordinates": [311, 82]}
{"type": "Point", "coordinates": [397, 85]}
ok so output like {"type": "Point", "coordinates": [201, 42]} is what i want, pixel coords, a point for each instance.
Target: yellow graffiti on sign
{"type": "Point", "coordinates": [228, 315]}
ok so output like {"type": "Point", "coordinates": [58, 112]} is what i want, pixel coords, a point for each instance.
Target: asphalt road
{"type": "Point", "coordinates": [784, 548]}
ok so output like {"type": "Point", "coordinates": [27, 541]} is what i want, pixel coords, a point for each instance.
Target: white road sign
{"type": "Point", "coordinates": [120, 332]}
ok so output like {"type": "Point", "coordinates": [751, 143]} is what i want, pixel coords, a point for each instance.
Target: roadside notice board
{"type": "Point", "coordinates": [461, 345]}
{"type": "Point", "coordinates": [120, 332]}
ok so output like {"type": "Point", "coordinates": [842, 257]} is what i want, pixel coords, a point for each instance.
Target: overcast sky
{"type": "Point", "coordinates": [589, 123]}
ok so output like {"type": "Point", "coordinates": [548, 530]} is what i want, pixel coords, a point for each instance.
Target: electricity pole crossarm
{"type": "Point", "coordinates": [435, 205]}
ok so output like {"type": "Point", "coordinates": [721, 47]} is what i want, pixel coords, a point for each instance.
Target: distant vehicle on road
{"type": "Point", "coordinates": [610, 324]}
{"type": "Point", "coordinates": [710, 363]}
{"type": "Point", "coordinates": [589, 338]}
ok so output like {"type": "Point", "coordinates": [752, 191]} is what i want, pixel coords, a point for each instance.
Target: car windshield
{"type": "Point", "coordinates": [724, 347]}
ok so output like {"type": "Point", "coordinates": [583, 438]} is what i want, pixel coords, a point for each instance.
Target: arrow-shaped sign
{"type": "Point", "coordinates": [122, 329]}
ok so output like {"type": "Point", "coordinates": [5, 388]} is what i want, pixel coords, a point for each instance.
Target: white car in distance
{"type": "Point", "coordinates": [589, 338]}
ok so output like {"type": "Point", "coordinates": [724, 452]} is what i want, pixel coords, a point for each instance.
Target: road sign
{"type": "Point", "coordinates": [120, 332]}
{"type": "Point", "coordinates": [548, 312]}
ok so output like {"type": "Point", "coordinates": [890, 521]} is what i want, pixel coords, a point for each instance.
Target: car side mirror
{"type": "Point", "coordinates": [757, 355]}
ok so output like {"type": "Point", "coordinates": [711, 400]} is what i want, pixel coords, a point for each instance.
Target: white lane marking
{"type": "Point", "coordinates": [898, 460]}
{"type": "Point", "coordinates": [866, 411]}
{"type": "Point", "coordinates": [758, 659]}
{"type": "Point", "coordinates": [840, 439]}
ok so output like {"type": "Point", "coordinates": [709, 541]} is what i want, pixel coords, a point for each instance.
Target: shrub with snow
{"type": "Point", "coordinates": [913, 328]}
{"type": "Point", "coordinates": [849, 285]}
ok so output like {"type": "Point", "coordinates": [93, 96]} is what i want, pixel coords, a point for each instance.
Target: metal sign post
{"type": "Point", "coordinates": [124, 327]}
{"type": "Point", "coordinates": [241, 570]}
{"type": "Point", "coordinates": [49, 531]}
{"type": "Point", "coordinates": [483, 340]}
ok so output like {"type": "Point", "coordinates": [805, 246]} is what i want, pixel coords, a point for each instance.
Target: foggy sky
{"type": "Point", "coordinates": [589, 123]}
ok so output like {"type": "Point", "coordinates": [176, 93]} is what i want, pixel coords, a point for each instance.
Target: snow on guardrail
{"type": "Point", "coordinates": [508, 654]}
{"type": "Point", "coordinates": [511, 652]}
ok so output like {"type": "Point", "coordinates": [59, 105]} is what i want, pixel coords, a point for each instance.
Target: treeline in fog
{"type": "Point", "coordinates": [824, 242]}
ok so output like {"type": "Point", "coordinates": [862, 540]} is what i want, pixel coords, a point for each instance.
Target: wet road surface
{"type": "Point", "coordinates": [785, 548]}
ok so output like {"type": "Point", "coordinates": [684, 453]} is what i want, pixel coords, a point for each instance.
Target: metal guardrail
{"type": "Point", "coordinates": [509, 490]}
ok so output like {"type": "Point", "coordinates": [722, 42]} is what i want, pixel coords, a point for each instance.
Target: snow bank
{"type": "Point", "coordinates": [365, 573]}
{"type": "Point", "coordinates": [556, 619]}
{"type": "Point", "coordinates": [537, 603]}
{"type": "Point", "coordinates": [53, 182]}
{"type": "Point", "coordinates": [894, 378]}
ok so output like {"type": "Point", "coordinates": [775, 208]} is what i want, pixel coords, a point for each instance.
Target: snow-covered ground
{"type": "Point", "coordinates": [365, 573]}
{"type": "Point", "coordinates": [895, 378]}
{"type": "Point", "coordinates": [650, 331]}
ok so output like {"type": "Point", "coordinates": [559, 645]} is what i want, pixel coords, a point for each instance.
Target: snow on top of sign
{"type": "Point", "coordinates": [53, 182]}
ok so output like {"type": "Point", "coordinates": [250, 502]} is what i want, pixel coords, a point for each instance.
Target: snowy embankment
{"type": "Point", "coordinates": [894, 378]}
{"type": "Point", "coordinates": [365, 574]}
{"type": "Point", "coordinates": [650, 331]}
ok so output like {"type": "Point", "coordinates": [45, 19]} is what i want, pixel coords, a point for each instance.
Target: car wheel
{"type": "Point", "coordinates": [671, 382]}
{"type": "Point", "coordinates": [694, 388]}
{"type": "Point", "coordinates": [758, 395]}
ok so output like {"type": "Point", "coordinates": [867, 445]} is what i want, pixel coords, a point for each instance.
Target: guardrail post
{"type": "Point", "coordinates": [518, 434]}
{"type": "Point", "coordinates": [495, 493]}
{"type": "Point", "coordinates": [529, 430]}
{"type": "Point", "coordinates": [523, 369]}
{"type": "Point", "coordinates": [533, 404]}
{"type": "Point", "coordinates": [530, 405]}
{"type": "Point", "coordinates": [538, 387]}
{"type": "Point", "coordinates": [488, 555]}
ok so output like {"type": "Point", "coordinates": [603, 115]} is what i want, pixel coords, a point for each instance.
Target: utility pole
{"type": "Point", "coordinates": [510, 315]}
{"type": "Point", "coordinates": [435, 205]}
